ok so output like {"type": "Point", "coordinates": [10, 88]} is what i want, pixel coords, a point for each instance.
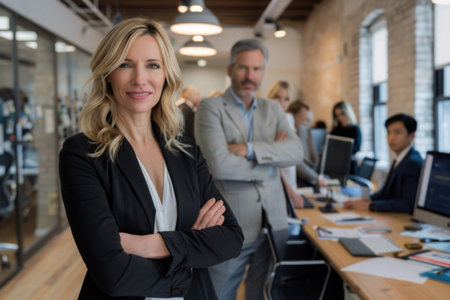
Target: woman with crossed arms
{"type": "Point", "coordinates": [142, 206]}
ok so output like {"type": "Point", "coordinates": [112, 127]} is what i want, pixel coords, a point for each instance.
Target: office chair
{"type": "Point", "coordinates": [6, 203]}
{"type": "Point", "coordinates": [294, 279]}
{"type": "Point", "coordinates": [364, 172]}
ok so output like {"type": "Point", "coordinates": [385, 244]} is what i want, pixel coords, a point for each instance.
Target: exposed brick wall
{"type": "Point", "coordinates": [321, 73]}
{"type": "Point", "coordinates": [334, 39]}
{"type": "Point", "coordinates": [45, 142]}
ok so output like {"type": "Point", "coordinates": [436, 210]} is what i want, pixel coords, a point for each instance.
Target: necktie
{"type": "Point", "coordinates": [391, 170]}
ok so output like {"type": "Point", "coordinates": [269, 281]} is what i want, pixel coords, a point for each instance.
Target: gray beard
{"type": "Point", "coordinates": [245, 95]}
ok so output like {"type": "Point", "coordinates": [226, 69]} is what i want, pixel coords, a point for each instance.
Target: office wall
{"type": "Point", "coordinates": [205, 79]}
{"type": "Point", "coordinates": [284, 61]}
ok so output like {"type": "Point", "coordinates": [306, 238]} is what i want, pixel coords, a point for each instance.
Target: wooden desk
{"type": "Point", "coordinates": [368, 286]}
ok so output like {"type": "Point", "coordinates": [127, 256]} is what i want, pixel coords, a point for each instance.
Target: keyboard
{"type": "Point", "coordinates": [369, 246]}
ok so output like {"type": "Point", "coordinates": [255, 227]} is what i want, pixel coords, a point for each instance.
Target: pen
{"type": "Point", "coordinates": [354, 219]}
{"type": "Point", "coordinates": [324, 230]}
{"type": "Point", "coordinates": [439, 272]}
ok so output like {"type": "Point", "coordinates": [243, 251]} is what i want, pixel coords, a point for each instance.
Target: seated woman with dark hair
{"type": "Point", "coordinates": [344, 124]}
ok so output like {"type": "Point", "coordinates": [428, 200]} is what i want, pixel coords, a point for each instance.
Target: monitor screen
{"type": "Point", "coordinates": [433, 192]}
{"type": "Point", "coordinates": [336, 157]}
{"type": "Point", "coordinates": [318, 136]}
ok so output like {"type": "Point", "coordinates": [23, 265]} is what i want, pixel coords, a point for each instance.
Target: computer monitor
{"type": "Point", "coordinates": [336, 157]}
{"type": "Point", "coordinates": [433, 192]}
{"type": "Point", "coordinates": [318, 136]}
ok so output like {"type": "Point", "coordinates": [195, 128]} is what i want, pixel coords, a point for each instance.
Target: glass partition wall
{"type": "Point", "coordinates": [41, 92]}
{"type": "Point", "coordinates": [36, 138]}
{"type": "Point", "coordinates": [9, 222]}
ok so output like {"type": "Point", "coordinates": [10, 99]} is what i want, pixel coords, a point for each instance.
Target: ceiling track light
{"type": "Point", "coordinates": [197, 48]}
{"type": "Point", "coordinates": [196, 21]}
{"type": "Point", "coordinates": [183, 6]}
{"type": "Point", "coordinates": [196, 6]}
{"type": "Point", "coordinates": [279, 31]}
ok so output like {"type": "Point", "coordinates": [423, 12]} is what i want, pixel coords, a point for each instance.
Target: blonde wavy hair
{"type": "Point", "coordinates": [277, 86]}
{"type": "Point", "coordinates": [99, 115]}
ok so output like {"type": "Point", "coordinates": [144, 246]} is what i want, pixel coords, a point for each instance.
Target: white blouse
{"type": "Point", "coordinates": [166, 210]}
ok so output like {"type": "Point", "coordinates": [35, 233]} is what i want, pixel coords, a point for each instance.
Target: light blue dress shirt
{"type": "Point", "coordinates": [248, 116]}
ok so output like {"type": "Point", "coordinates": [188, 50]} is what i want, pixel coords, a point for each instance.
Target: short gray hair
{"type": "Point", "coordinates": [248, 45]}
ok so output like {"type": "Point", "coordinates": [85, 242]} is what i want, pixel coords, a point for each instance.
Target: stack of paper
{"type": "Point", "coordinates": [347, 218]}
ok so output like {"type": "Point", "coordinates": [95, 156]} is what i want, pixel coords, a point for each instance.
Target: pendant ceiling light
{"type": "Point", "coordinates": [197, 20]}
{"type": "Point", "coordinates": [198, 46]}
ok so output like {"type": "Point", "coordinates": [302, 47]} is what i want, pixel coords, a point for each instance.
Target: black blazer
{"type": "Point", "coordinates": [103, 198]}
{"type": "Point", "coordinates": [399, 192]}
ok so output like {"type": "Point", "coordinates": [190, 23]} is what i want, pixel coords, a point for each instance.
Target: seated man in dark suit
{"type": "Point", "coordinates": [398, 193]}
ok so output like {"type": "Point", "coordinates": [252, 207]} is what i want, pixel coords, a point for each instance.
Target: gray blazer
{"type": "Point", "coordinates": [248, 185]}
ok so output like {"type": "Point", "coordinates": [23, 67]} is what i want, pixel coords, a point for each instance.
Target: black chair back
{"type": "Point", "coordinates": [365, 170]}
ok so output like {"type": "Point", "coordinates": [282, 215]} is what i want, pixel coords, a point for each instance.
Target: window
{"type": "Point", "coordinates": [379, 47]}
{"type": "Point", "coordinates": [442, 99]}
{"type": "Point", "coordinates": [379, 117]}
{"type": "Point", "coordinates": [442, 76]}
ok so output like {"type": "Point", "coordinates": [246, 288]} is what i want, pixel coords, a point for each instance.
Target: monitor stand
{"type": "Point", "coordinates": [328, 208]}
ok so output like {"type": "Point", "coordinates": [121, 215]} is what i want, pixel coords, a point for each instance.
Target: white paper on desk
{"type": "Point", "coordinates": [339, 197]}
{"type": "Point", "coordinates": [338, 217]}
{"type": "Point", "coordinates": [429, 232]}
{"type": "Point", "coordinates": [391, 268]}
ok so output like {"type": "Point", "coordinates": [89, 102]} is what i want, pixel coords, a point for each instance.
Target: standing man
{"type": "Point", "coordinates": [245, 140]}
{"type": "Point", "coordinates": [398, 193]}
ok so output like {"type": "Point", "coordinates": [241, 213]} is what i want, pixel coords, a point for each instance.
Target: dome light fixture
{"type": "Point", "coordinates": [196, 22]}
{"type": "Point", "coordinates": [201, 63]}
{"type": "Point", "coordinates": [197, 48]}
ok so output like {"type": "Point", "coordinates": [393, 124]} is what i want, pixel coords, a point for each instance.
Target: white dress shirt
{"type": "Point", "coordinates": [166, 210]}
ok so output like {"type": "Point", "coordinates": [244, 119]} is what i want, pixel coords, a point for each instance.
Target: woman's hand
{"type": "Point", "coordinates": [148, 246]}
{"type": "Point", "coordinates": [211, 214]}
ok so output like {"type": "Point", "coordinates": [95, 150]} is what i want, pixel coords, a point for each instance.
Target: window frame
{"type": "Point", "coordinates": [378, 101]}
{"type": "Point", "coordinates": [439, 97]}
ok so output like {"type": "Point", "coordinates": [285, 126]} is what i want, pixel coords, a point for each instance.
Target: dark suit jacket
{"type": "Point", "coordinates": [399, 192]}
{"type": "Point", "coordinates": [188, 114]}
{"type": "Point", "coordinates": [103, 198]}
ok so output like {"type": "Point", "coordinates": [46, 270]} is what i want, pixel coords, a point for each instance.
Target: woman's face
{"type": "Point", "coordinates": [282, 96]}
{"type": "Point", "coordinates": [301, 117]}
{"type": "Point", "coordinates": [138, 82]}
{"type": "Point", "coordinates": [341, 117]}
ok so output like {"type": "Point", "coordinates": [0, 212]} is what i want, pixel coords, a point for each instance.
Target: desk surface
{"type": "Point", "coordinates": [367, 286]}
